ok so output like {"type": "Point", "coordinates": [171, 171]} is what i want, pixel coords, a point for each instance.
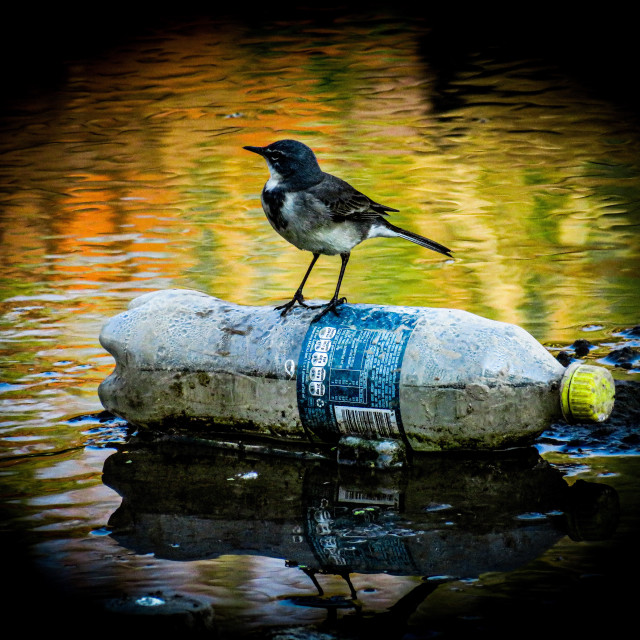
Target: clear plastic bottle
{"type": "Point", "coordinates": [437, 379]}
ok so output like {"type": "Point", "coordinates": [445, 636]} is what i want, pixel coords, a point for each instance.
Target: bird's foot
{"type": "Point", "coordinates": [299, 298]}
{"type": "Point", "coordinates": [332, 305]}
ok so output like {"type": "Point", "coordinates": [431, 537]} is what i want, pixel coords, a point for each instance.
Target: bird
{"type": "Point", "coordinates": [321, 213]}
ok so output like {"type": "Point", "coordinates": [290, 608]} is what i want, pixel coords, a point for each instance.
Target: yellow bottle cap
{"type": "Point", "coordinates": [587, 393]}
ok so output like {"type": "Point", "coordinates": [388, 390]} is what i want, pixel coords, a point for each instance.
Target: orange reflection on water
{"type": "Point", "coordinates": [136, 175]}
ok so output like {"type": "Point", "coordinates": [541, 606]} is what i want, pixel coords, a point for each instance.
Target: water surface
{"type": "Point", "coordinates": [128, 175]}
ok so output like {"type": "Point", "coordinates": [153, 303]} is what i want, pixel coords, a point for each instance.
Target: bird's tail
{"type": "Point", "coordinates": [392, 230]}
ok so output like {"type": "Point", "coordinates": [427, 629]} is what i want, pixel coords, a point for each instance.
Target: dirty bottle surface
{"type": "Point", "coordinates": [435, 379]}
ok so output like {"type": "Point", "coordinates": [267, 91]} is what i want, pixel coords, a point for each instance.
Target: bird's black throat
{"type": "Point", "coordinates": [274, 200]}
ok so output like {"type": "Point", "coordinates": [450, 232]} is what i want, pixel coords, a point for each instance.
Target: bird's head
{"type": "Point", "coordinates": [290, 161]}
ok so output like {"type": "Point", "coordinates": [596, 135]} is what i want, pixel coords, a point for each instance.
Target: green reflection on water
{"type": "Point", "coordinates": [131, 177]}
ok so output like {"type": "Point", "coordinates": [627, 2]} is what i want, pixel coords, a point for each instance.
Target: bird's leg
{"type": "Point", "coordinates": [335, 301]}
{"type": "Point", "coordinates": [297, 296]}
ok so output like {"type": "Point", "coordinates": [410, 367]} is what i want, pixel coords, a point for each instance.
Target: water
{"type": "Point", "coordinates": [126, 174]}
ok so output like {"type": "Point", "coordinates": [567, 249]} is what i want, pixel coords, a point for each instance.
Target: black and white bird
{"type": "Point", "coordinates": [318, 212]}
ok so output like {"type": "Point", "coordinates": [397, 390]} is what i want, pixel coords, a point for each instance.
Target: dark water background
{"type": "Point", "coordinates": [122, 171]}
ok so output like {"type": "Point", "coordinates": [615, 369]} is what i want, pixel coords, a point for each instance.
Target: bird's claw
{"type": "Point", "coordinates": [285, 307]}
{"type": "Point", "coordinates": [297, 297]}
{"type": "Point", "coordinates": [331, 306]}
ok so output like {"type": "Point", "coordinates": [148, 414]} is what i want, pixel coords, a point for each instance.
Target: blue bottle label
{"type": "Point", "coordinates": [348, 378]}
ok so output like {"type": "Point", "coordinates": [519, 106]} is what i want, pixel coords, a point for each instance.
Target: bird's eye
{"type": "Point", "coordinates": [275, 155]}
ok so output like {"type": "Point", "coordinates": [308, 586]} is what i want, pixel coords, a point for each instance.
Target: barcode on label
{"type": "Point", "coordinates": [367, 422]}
{"type": "Point", "coordinates": [387, 497]}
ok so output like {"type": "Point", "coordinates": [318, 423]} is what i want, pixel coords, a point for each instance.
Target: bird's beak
{"type": "Point", "coordinates": [258, 150]}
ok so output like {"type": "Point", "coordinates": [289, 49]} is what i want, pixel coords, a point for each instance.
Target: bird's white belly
{"type": "Point", "coordinates": [339, 238]}
{"type": "Point", "coordinates": [315, 232]}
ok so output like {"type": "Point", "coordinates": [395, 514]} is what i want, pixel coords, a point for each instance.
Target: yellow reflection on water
{"type": "Point", "coordinates": [135, 175]}
{"type": "Point", "coordinates": [131, 177]}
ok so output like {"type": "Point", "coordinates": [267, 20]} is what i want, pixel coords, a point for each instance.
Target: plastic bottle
{"type": "Point", "coordinates": [436, 379]}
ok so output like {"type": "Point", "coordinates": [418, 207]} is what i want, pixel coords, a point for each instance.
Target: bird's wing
{"type": "Point", "coordinates": [343, 202]}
